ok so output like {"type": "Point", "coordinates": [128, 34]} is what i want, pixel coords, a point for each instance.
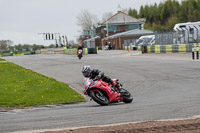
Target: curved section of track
{"type": "Point", "coordinates": [162, 89]}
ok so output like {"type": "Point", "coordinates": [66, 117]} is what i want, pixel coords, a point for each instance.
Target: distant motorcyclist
{"type": "Point", "coordinates": [80, 51]}
{"type": "Point", "coordinates": [80, 47]}
{"type": "Point", "coordinates": [88, 72]}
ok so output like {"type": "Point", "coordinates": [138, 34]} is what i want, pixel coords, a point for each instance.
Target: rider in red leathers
{"type": "Point", "coordinates": [96, 74]}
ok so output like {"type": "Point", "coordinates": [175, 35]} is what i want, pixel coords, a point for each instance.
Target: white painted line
{"type": "Point", "coordinates": [117, 124]}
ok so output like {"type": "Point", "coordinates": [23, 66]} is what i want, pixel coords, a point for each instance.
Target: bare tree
{"type": "Point", "coordinates": [106, 15]}
{"type": "Point", "coordinates": [87, 20]}
{"type": "Point", "coordinates": [4, 44]}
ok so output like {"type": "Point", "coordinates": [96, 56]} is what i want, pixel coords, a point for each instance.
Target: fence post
{"type": "Point", "coordinates": [193, 52]}
{"type": "Point", "coordinates": [197, 51]}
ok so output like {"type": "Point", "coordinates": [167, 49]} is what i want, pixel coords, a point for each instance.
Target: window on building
{"type": "Point", "coordinates": [132, 26]}
{"type": "Point", "coordinates": [86, 32]}
{"type": "Point", "coordinates": [89, 32]}
{"type": "Point", "coordinates": [113, 28]}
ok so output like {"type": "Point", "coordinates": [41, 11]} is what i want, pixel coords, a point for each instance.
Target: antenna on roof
{"type": "Point", "coordinates": [119, 8]}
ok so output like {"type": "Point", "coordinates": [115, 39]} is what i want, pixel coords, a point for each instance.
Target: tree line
{"type": "Point", "coordinates": [7, 46]}
{"type": "Point", "coordinates": [166, 14]}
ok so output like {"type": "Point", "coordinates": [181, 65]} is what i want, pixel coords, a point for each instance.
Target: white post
{"type": "Point", "coordinates": [107, 24]}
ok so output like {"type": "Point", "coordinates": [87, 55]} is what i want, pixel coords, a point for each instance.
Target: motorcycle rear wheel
{"type": "Point", "coordinates": [127, 97]}
{"type": "Point", "coordinates": [99, 97]}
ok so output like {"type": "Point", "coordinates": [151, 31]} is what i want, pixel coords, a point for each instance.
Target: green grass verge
{"type": "Point", "coordinates": [2, 59]}
{"type": "Point", "coordinates": [21, 87]}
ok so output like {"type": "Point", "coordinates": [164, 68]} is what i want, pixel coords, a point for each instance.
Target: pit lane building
{"type": "Point", "coordinates": [120, 29]}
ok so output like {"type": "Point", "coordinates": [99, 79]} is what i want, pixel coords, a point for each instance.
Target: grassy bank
{"type": "Point", "coordinates": [21, 87]}
{"type": "Point", "coordinates": [2, 59]}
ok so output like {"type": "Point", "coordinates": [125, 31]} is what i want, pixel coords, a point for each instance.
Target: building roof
{"type": "Point", "coordinates": [122, 17]}
{"type": "Point", "coordinates": [135, 32]}
{"type": "Point", "coordinates": [91, 39]}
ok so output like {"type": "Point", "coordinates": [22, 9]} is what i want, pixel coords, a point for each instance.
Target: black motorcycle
{"type": "Point", "coordinates": [80, 53]}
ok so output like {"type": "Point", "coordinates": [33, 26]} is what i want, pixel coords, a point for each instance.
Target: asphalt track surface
{"type": "Point", "coordinates": [164, 86]}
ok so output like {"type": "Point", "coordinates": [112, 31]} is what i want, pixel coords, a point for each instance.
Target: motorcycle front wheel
{"type": "Point", "coordinates": [99, 97]}
{"type": "Point", "coordinates": [126, 96]}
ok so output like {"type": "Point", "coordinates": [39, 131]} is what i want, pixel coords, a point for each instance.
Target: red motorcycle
{"type": "Point", "coordinates": [104, 93]}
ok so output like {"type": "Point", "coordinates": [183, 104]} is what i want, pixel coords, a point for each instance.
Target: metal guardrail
{"type": "Point", "coordinates": [74, 51]}
{"type": "Point", "coordinates": [85, 51]}
{"type": "Point", "coordinates": [68, 51]}
{"type": "Point", "coordinates": [17, 54]}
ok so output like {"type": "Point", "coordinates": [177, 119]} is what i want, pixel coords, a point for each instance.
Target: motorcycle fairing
{"type": "Point", "coordinates": [100, 85]}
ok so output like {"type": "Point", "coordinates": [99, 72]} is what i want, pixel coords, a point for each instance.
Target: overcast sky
{"type": "Point", "coordinates": [22, 20]}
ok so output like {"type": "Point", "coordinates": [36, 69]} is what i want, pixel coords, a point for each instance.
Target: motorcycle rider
{"type": "Point", "coordinates": [88, 72]}
{"type": "Point", "coordinates": [79, 48]}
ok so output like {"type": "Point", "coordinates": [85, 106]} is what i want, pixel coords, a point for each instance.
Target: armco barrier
{"type": "Point", "coordinates": [181, 48]}
{"type": "Point", "coordinates": [168, 49]}
{"type": "Point", "coordinates": [92, 50]}
{"type": "Point", "coordinates": [157, 49]}
{"type": "Point", "coordinates": [139, 48]}
{"type": "Point", "coordinates": [85, 51]}
{"type": "Point", "coordinates": [152, 49]}
{"type": "Point", "coordinates": [58, 50]}
{"type": "Point", "coordinates": [175, 48]}
{"type": "Point", "coordinates": [38, 52]}
{"type": "Point", "coordinates": [70, 51]}
{"type": "Point", "coordinates": [18, 54]}
{"type": "Point", "coordinates": [149, 49]}
{"type": "Point", "coordinates": [67, 51]}
{"type": "Point", "coordinates": [47, 51]}
{"type": "Point", "coordinates": [127, 48]}
{"type": "Point", "coordinates": [7, 54]}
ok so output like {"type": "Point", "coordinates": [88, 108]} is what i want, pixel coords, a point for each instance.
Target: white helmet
{"type": "Point", "coordinates": [86, 71]}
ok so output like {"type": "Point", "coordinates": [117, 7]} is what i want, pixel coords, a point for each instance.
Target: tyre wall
{"type": "Point", "coordinates": [181, 48]}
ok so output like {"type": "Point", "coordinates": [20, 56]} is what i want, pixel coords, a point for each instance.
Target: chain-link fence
{"type": "Point", "coordinates": [166, 38]}
{"type": "Point", "coordinates": [186, 36]}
